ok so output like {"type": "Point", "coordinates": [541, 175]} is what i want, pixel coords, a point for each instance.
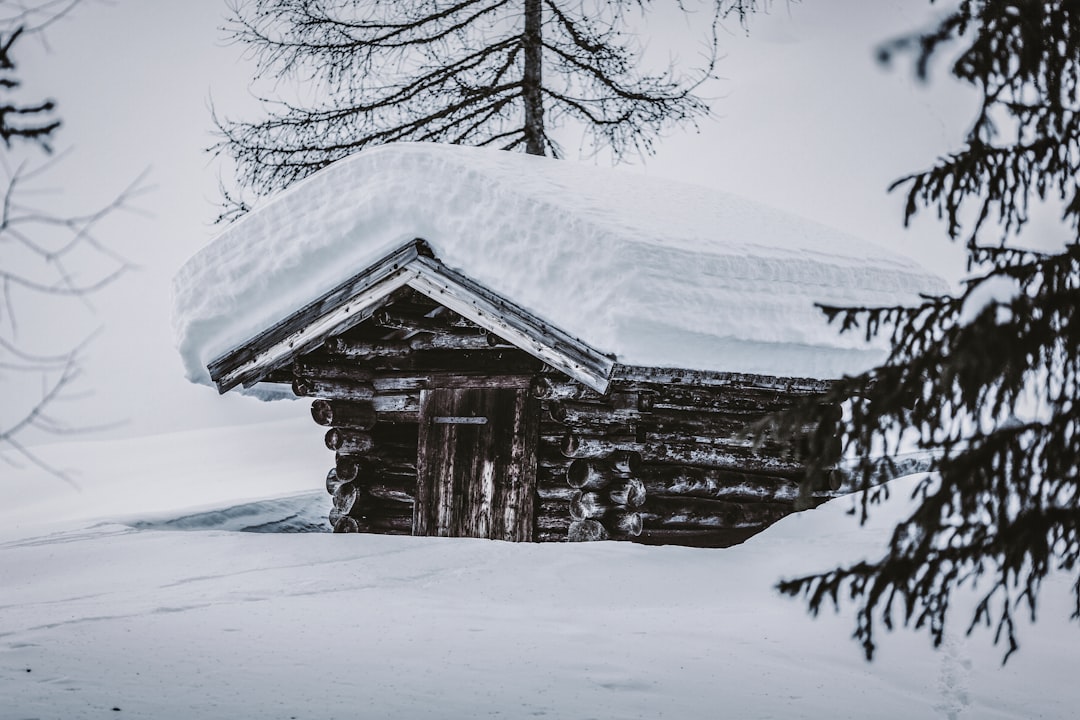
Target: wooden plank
{"type": "Point", "coordinates": [476, 480]}
{"type": "Point", "coordinates": [548, 387]}
{"type": "Point", "coordinates": [513, 323]}
{"type": "Point", "coordinates": [682, 481]}
{"type": "Point", "coordinates": [367, 349]}
{"type": "Point", "coordinates": [374, 468]}
{"type": "Point", "coordinates": [638, 377]}
{"type": "Point", "coordinates": [351, 302]}
{"type": "Point", "coordinates": [393, 318]}
{"type": "Point", "coordinates": [488, 361]}
{"type": "Point", "coordinates": [692, 513]}
{"type": "Point", "coordinates": [727, 457]}
{"type": "Point", "coordinates": [723, 399]}
{"type": "Point", "coordinates": [549, 492]}
{"type": "Point", "coordinates": [333, 389]}
{"type": "Point", "coordinates": [411, 382]}
{"type": "Point", "coordinates": [321, 367]}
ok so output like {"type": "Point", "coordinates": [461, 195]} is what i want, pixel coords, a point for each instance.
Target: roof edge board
{"type": "Point", "coordinates": [513, 323]}
{"type": "Point", "coordinates": [354, 311]}
{"type": "Point", "coordinates": [345, 303]}
{"type": "Point", "coordinates": [675, 376]}
{"type": "Point", "coordinates": [414, 265]}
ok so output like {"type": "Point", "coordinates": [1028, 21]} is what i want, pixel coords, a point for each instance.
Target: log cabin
{"type": "Point", "coordinates": [552, 353]}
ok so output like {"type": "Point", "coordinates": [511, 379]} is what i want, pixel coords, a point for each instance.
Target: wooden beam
{"type": "Point", "coordinates": [355, 415]}
{"type": "Point", "coordinates": [364, 294]}
{"type": "Point", "coordinates": [512, 323]}
{"type": "Point", "coordinates": [634, 377]}
{"type": "Point", "coordinates": [344, 306]}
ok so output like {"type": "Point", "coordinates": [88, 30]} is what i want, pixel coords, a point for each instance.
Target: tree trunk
{"type": "Point", "coordinates": [531, 81]}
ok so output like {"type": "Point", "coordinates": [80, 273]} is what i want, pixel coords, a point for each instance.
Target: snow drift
{"type": "Point", "coordinates": [106, 603]}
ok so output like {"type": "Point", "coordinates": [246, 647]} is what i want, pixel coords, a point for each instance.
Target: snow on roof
{"type": "Point", "coordinates": [656, 272]}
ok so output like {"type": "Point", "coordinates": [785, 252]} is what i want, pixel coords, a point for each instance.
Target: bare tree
{"type": "Point", "coordinates": [43, 254]}
{"type": "Point", "coordinates": [474, 72]}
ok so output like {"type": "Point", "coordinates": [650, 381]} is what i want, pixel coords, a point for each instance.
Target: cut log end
{"type": "Point", "coordinates": [630, 523]}
{"type": "Point", "coordinates": [345, 497]}
{"type": "Point", "coordinates": [586, 531]}
{"type": "Point", "coordinates": [322, 413]}
{"type": "Point", "coordinates": [346, 469]}
{"type": "Point", "coordinates": [625, 461]}
{"type": "Point", "coordinates": [346, 524]}
{"type": "Point", "coordinates": [585, 505]}
{"type": "Point", "coordinates": [588, 474]}
{"type": "Point", "coordinates": [333, 481]}
{"type": "Point", "coordinates": [342, 523]}
{"type": "Point", "coordinates": [630, 493]}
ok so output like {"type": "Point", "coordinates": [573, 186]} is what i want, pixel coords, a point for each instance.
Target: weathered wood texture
{"type": "Point", "coordinates": [667, 456]}
{"type": "Point", "coordinates": [358, 299]}
{"type": "Point", "coordinates": [664, 457]}
{"type": "Point", "coordinates": [348, 304]}
{"type": "Point", "coordinates": [476, 479]}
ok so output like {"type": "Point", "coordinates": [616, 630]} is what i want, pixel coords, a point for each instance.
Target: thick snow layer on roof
{"type": "Point", "coordinates": [656, 272]}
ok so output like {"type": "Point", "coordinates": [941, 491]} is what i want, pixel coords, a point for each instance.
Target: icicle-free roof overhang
{"type": "Point", "coordinates": [413, 265]}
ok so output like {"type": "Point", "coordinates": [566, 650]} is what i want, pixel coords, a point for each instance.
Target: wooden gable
{"type": "Point", "coordinates": [412, 265]}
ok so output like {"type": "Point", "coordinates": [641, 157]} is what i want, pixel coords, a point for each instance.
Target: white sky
{"type": "Point", "coordinates": [807, 122]}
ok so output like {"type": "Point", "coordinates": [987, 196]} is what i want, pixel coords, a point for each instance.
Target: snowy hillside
{"type": "Point", "coordinates": [654, 272]}
{"type": "Point", "coordinates": [137, 592]}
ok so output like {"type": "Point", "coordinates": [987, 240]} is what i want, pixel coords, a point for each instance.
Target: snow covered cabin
{"type": "Point", "coordinates": [518, 348]}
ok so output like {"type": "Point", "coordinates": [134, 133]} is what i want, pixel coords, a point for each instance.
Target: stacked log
{"type": "Point", "coordinates": [366, 385]}
{"type": "Point", "coordinates": [373, 484]}
{"type": "Point", "coordinates": [605, 494]}
{"type": "Point", "coordinates": [665, 456]}
{"type": "Point", "coordinates": [657, 461]}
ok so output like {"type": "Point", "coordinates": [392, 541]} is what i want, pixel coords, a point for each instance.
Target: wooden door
{"type": "Point", "coordinates": [476, 464]}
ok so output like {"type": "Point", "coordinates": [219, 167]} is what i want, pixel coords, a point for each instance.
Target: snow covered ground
{"type": "Point", "coordinates": [138, 596]}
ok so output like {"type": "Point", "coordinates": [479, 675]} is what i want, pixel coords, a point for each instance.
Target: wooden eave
{"type": "Point", "coordinates": [357, 299]}
{"type": "Point", "coordinates": [629, 375]}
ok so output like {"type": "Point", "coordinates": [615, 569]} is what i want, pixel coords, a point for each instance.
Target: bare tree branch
{"type": "Point", "coordinates": [478, 72]}
{"type": "Point", "coordinates": [44, 253]}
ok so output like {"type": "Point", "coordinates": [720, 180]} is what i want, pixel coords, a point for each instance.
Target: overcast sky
{"type": "Point", "coordinates": [807, 121]}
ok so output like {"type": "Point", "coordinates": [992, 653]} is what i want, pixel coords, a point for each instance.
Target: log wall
{"type": "Point", "coordinates": [663, 457]}
{"type": "Point", "coordinates": [661, 461]}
